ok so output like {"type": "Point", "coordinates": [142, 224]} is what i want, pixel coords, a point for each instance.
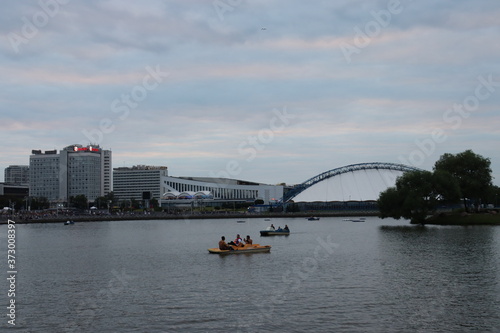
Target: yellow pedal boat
{"type": "Point", "coordinates": [253, 248]}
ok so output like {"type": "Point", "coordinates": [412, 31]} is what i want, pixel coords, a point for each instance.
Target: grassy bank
{"type": "Point", "coordinates": [465, 219]}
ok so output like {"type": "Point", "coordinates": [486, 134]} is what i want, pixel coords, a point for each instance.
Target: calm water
{"type": "Point", "coordinates": [327, 276]}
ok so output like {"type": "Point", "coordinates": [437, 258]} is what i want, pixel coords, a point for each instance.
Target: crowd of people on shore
{"type": "Point", "coordinates": [57, 214]}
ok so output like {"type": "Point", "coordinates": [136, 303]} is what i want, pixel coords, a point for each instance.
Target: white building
{"type": "Point", "coordinates": [75, 170]}
{"type": "Point", "coordinates": [223, 189]}
{"type": "Point", "coordinates": [133, 182]}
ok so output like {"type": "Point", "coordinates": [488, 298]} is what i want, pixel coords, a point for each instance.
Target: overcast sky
{"type": "Point", "coordinates": [262, 90]}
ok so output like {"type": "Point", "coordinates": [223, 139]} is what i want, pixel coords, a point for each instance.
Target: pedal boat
{"type": "Point", "coordinates": [253, 248]}
{"type": "Point", "coordinates": [281, 232]}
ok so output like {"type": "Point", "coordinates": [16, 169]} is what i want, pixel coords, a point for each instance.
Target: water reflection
{"type": "Point", "coordinates": [447, 276]}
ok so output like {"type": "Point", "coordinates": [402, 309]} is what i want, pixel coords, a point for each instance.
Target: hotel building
{"type": "Point", "coordinates": [75, 170]}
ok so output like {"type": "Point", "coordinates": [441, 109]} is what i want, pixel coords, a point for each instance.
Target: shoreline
{"type": "Point", "coordinates": [164, 216]}
{"type": "Point", "coordinates": [469, 219]}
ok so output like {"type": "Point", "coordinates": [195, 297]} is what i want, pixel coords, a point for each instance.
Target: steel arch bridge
{"type": "Point", "coordinates": [345, 169]}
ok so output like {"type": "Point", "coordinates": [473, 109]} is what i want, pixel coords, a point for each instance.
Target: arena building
{"type": "Point", "coordinates": [215, 191]}
{"type": "Point", "coordinates": [153, 182]}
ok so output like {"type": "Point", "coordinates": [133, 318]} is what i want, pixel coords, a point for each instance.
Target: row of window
{"type": "Point", "coordinates": [218, 192]}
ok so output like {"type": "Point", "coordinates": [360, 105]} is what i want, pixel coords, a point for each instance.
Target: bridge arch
{"type": "Point", "coordinates": [355, 182]}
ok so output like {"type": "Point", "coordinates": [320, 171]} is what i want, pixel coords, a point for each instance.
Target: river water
{"type": "Point", "coordinates": [327, 276]}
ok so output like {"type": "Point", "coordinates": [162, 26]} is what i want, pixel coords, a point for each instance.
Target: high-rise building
{"type": "Point", "coordinates": [17, 174]}
{"type": "Point", "coordinates": [75, 170]}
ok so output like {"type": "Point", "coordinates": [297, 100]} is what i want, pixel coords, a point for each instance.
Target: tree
{"type": "Point", "coordinates": [39, 203]}
{"type": "Point", "coordinates": [154, 202]}
{"type": "Point", "coordinates": [472, 172]}
{"type": "Point", "coordinates": [100, 202]}
{"type": "Point", "coordinates": [493, 196]}
{"type": "Point", "coordinates": [79, 201]}
{"type": "Point", "coordinates": [417, 194]}
{"type": "Point", "coordinates": [134, 204]}
{"type": "Point", "coordinates": [110, 197]}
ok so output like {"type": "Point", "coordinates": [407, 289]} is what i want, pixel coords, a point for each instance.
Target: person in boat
{"type": "Point", "coordinates": [248, 240]}
{"type": "Point", "coordinates": [237, 242]}
{"type": "Point", "coordinates": [223, 245]}
{"type": "Point", "coordinates": [271, 227]}
{"type": "Point", "coordinates": [286, 228]}
{"type": "Point", "coordinates": [279, 229]}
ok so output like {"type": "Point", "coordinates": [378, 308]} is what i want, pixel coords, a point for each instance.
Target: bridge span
{"type": "Point", "coordinates": [355, 182]}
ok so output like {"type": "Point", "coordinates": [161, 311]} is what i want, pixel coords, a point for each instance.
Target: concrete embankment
{"type": "Point", "coordinates": [164, 216]}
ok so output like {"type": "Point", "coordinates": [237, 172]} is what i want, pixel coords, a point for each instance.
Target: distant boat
{"type": "Point", "coordinates": [240, 221]}
{"type": "Point", "coordinates": [279, 232]}
{"type": "Point", "coordinates": [313, 218]}
{"type": "Point", "coordinates": [361, 219]}
{"type": "Point", "coordinates": [69, 222]}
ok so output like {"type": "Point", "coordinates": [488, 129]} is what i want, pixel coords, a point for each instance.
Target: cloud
{"type": "Point", "coordinates": [230, 70]}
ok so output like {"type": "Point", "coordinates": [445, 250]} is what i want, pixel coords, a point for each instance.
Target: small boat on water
{"type": "Point", "coordinates": [361, 219]}
{"type": "Point", "coordinates": [248, 248]}
{"type": "Point", "coordinates": [279, 232]}
{"type": "Point", "coordinates": [69, 222]}
{"type": "Point", "coordinates": [313, 218]}
{"type": "Point", "coordinates": [240, 221]}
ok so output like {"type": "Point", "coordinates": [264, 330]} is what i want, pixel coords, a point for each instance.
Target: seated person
{"type": "Point", "coordinates": [237, 242]}
{"type": "Point", "coordinates": [279, 229]}
{"type": "Point", "coordinates": [286, 228]}
{"type": "Point", "coordinates": [248, 240]}
{"type": "Point", "coordinates": [223, 245]}
{"type": "Point", "coordinates": [271, 227]}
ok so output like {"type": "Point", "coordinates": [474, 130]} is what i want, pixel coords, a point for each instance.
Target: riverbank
{"type": "Point", "coordinates": [166, 216]}
{"type": "Point", "coordinates": [484, 218]}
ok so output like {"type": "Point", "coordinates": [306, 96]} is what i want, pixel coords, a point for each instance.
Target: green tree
{"type": "Point", "coordinates": [100, 202]}
{"type": "Point", "coordinates": [110, 197]}
{"type": "Point", "coordinates": [134, 204]}
{"type": "Point", "coordinates": [39, 203]}
{"type": "Point", "coordinates": [494, 196]}
{"type": "Point", "coordinates": [417, 194]}
{"type": "Point", "coordinates": [79, 201]}
{"type": "Point", "coordinates": [472, 172]}
{"type": "Point", "coordinates": [154, 202]}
